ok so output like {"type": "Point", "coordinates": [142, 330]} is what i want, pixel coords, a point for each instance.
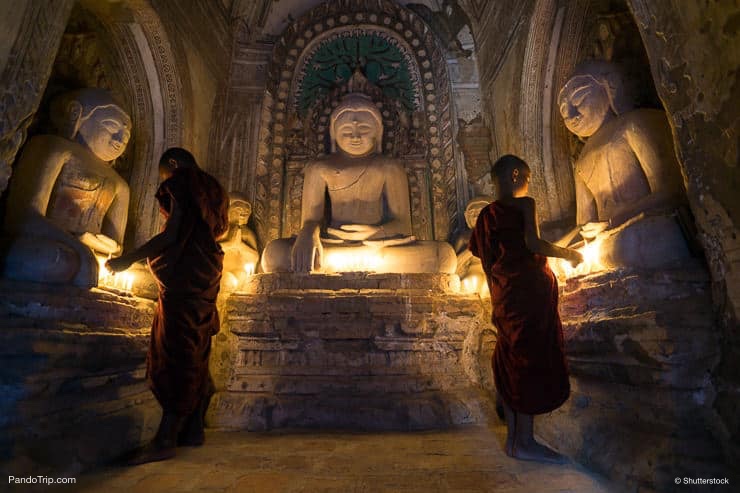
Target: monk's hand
{"type": "Point", "coordinates": [118, 264]}
{"type": "Point", "coordinates": [354, 232]}
{"type": "Point", "coordinates": [575, 257]}
{"type": "Point", "coordinates": [589, 231]}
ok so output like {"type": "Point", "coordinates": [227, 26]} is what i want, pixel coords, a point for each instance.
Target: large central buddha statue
{"type": "Point", "coordinates": [365, 225]}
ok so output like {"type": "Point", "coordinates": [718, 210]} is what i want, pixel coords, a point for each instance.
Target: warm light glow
{"type": "Point", "coordinates": [470, 284]}
{"type": "Point", "coordinates": [349, 262]}
{"type": "Point", "coordinates": [591, 262]}
{"type": "Point", "coordinates": [122, 280]}
{"type": "Point", "coordinates": [249, 269]}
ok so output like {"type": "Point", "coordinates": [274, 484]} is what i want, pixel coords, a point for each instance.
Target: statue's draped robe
{"type": "Point", "coordinates": [188, 273]}
{"type": "Point", "coordinates": [529, 364]}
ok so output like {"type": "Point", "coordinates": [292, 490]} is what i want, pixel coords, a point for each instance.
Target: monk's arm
{"type": "Point", "coordinates": [396, 189]}
{"type": "Point", "coordinates": [535, 244]}
{"type": "Point", "coordinates": [156, 245]}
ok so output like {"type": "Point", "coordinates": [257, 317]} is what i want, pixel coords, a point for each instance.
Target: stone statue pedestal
{"type": "Point", "coordinates": [353, 351]}
{"type": "Point", "coordinates": [74, 388]}
{"type": "Point", "coordinates": [641, 346]}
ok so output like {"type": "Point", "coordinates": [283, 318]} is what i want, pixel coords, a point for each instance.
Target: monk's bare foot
{"type": "Point", "coordinates": [151, 453]}
{"type": "Point", "coordinates": [537, 452]}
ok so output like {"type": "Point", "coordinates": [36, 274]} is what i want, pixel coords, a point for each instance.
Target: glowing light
{"type": "Point", "coordinates": [470, 284]}
{"type": "Point", "coordinates": [249, 269]}
{"type": "Point", "coordinates": [123, 280]}
{"type": "Point", "coordinates": [350, 262]}
{"type": "Point", "coordinates": [591, 262]}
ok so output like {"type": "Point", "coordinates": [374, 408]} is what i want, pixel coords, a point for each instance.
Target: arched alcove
{"type": "Point", "coordinates": [436, 204]}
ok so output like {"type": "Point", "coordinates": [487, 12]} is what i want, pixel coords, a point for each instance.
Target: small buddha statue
{"type": "Point", "coordinates": [627, 180]}
{"type": "Point", "coordinates": [66, 203]}
{"type": "Point", "coordinates": [239, 244]}
{"type": "Point", "coordinates": [369, 225]}
{"type": "Point", "coordinates": [469, 267]}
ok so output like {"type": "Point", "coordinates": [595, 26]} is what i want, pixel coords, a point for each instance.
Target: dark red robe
{"type": "Point", "coordinates": [529, 365]}
{"type": "Point", "coordinates": [188, 273]}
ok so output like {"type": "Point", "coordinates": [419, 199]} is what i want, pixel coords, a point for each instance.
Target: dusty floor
{"type": "Point", "coordinates": [468, 459]}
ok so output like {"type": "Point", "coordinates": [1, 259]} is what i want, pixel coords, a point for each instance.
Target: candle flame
{"type": "Point", "coordinates": [591, 252]}
{"type": "Point", "coordinates": [123, 281]}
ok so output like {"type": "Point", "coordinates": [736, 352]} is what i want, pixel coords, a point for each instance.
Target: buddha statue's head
{"type": "Point", "coordinates": [472, 210]}
{"type": "Point", "coordinates": [593, 94]}
{"type": "Point", "coordinates": [94, 119]}
{"type": "Point", "coordinates": [239, 209]}
{"type": "Point", "coordinates": [356, 126]}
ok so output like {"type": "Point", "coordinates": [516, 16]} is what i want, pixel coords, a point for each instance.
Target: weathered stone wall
{"type": "Point", "coordinates": [359, 351]}
{"type": "Point", "coordinates": [641, 346]}
{"type": "Point", "coordinates": [694, 57]}
{"type": "Point", "coordinates": [74, 392]}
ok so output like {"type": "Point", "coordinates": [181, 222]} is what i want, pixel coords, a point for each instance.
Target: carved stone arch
{"type": "Point", "coordinates": [432, 172]}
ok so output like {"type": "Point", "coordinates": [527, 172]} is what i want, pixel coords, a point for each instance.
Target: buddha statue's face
{"type": "Point", "coordinates": [584, 105]}
{"type": "Point", "coordinates": [239, 213]}
{"type": "Point", "coordinates": [356, 132]}
{"type": "Point", "coordinates": [472, 211]}
{"type": "Point", "coordinates": [106, 132]}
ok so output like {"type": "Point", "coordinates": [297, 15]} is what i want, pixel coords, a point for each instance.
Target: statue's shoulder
{"type": "Point", "coordinates": [318, 165]}
{"type": "Point", "coordinates": [391, 163]}
{"type": "Point", "coordinates": [644, 121]}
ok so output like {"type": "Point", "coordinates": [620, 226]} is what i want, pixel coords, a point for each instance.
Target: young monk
{"type": "Point", "coordinates": [187, 261]}
{"type": "Point", "coordinates": [529, 366]}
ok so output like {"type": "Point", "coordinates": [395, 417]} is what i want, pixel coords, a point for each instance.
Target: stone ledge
{"type": "Point", "coordinates": [350, 281]}
{"type": "Point", "coordinates": [641, 346]}
{"type": "Point", "coordinates": [77, 374]}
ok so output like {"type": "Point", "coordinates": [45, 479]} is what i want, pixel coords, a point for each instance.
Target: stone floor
{"type": "Point", "coordinates": [463, 460]}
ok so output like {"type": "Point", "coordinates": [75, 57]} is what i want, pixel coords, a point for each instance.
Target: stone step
{"type": "Point", "coordinates": [351, 281]}
{"type": "Point", "coordinates": [426, 410]}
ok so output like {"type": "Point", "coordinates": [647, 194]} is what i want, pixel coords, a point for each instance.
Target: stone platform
{"type": "Point", "coordinates": [72, 374]}
{"type": "Point", "coordinates": [641, 347]}
{"type": "Point", "coordinates": [353, 351]}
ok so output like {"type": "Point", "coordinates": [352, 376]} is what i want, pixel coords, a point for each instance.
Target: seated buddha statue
{"type": "Point", "coordinates": [364, 197]}
{"type": "Point", "coordinates": [66, 203]}
{"type": "Point", "coordinates": [469, 267]}
{"type": "Point", "coordinates": [239, 244]}
{"type": "Point", "coordinates": [627, 179]}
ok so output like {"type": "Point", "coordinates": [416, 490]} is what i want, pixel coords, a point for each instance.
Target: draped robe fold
{"type": "Point", "coordinates": [529, 366]}
{"type": "Point", "coordinates": [188, 273]}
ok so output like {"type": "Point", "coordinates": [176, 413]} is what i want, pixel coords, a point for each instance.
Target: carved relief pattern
{"type": "Point", "coordinates": [381, 16]}
{"type": "Point", "coordinates": [26, 73]}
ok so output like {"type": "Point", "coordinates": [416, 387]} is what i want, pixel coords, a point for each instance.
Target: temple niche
{"type": "Point", "coordinates": [355, 138]}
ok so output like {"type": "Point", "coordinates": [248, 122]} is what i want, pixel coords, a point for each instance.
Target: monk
{"type": "Point", "coordinates": [187, 261]}
{"type": "Point", "coordinates": [529, 364]}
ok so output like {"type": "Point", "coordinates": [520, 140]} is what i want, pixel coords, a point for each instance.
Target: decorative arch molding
{"type": "Point", "coordinates": [436, 207]}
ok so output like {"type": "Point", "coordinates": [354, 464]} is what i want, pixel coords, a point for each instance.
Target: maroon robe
{"type": "Point", "coordinates": [188, 273]}
{"type": "Point", "coordinates": [529, 365]}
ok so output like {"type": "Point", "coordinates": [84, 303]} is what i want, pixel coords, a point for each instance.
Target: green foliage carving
{"type": "Point", "coordinates": [336, 59]}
